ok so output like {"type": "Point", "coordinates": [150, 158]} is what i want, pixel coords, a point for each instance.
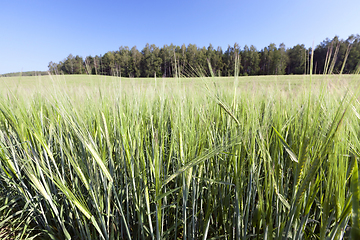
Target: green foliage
{"type": "Point", "coordinates": [297, 59]}
{"type": "Point", "coordinates": [250, 61]}
{"type": "Point", "coordinates": [271, 60]}
{"type": "Point", "coordinates": [151, 61]}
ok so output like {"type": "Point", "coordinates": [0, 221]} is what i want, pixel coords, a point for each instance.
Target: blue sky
{"type": "Point", "coordinates": [35, 32]}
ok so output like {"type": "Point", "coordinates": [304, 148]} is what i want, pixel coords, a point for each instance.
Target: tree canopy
{"type": "Point", "coordinates": [168, 60]}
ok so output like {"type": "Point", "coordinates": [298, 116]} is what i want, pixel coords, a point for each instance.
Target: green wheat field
{"type": "Point", "coordinates": [95, 157]}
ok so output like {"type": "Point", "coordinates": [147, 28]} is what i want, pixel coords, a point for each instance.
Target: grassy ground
{"type": "Point", "coordinates": [87, 83]}
{"type": "Point", "coordinates": [95, 157]}
{"type": "Point", "coordinates": [88, 80]}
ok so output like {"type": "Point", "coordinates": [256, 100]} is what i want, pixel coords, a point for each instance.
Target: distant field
{"type": "Point", "coordinates": [88, 82]}
{"type": "Point", "coordinates": [98, 157]}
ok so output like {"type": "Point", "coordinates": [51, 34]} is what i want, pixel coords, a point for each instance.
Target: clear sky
{"type": "Point", "coordinates": [35, 32]}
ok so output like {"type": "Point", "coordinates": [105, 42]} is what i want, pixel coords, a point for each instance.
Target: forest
{"type": "Point", "coordinates": [171, 59]}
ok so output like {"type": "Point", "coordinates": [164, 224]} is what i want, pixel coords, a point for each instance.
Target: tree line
{"type": "Point", "coordinates": [25, 74]}
{"type": "Point", "coordinates": [170, 60]}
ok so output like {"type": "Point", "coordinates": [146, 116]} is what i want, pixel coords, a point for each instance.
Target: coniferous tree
{"type": "Point", "coordinates": [191, 52]}
{"type": "Point", "coordinates": [250, 61]}
{"type": "Point", "coordinates": [201, 61]}
{"type": "Point", "coordinates": [151, 61]}
{"type": "Point", "coordinates": [353, 60]}
{"type": "Point", "coordinates": [165, 55]}
{"type": "Point", "coordinates": [254, 61]}
{"type": "Point", "coordinates": [124, 61]}
{"type": "Point", "coordinates": [281, 60]}
{"type": "Point", "coordinates": [135, 64]}
{"type": "Point", "coordinates": [264, 62]}
{"type": "Point", "coordinates": [297, 59]}
{"type": "Point", "coordinates": [230, 56]}
{"type": "Point", "coordinates": [218, 62]}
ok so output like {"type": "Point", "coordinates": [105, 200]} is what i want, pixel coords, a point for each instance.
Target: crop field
{"type": "Point", "coordinates": [95, 157]}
